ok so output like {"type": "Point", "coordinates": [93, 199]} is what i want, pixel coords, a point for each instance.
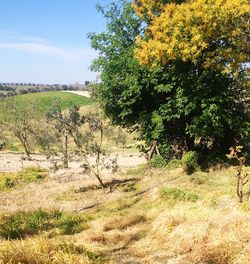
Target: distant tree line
{"type": "Point", "coordinates": [12, 89]}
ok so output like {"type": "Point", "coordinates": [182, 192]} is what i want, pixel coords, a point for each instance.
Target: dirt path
{"type": "Point", "coordinates": [82, 93]}
{"type": "Point", "coordinates": [11, 162]}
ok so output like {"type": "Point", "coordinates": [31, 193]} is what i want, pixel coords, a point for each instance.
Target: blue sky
{"type": "Point", "coordinates": [44, 41]}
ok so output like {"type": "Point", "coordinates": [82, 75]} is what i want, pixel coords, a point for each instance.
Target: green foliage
{"type": "Point", "coordinates": [23, 224]}
{"type": "Point", "coordinates": [27, 175]}
{"type": "Point", "coordinates": [181, 105]}
{"type": "Point", "coordinates": [174, 164]}
{"type": "Point", "coordinates": [157, 162]}
{"type": "Point", "coordinates": [190, 162]}
{"type": "Point", "coordinates": [175, 194]}
{"type": "Point", "coordinates": [20, 120]}
{"type": "Point", "coordinates": [8, 183]}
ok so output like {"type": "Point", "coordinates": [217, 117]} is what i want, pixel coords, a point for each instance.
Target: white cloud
{"type": "Point", "coordinates": [50, 50]}
{"type": "Point", "coordinates": [9, 34]}
{"type": "Point", "coordinates": [32, 44]}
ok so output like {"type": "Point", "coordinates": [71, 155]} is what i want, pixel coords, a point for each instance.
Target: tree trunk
{"type": "Point", "coordinates": [25, 146]}
{"type": "Point", "coordinates": [240, 189]}
{"type": "Point", "coordinates": [65, 151]}
{"type": "Point", "coordinates": [153, 150]}
{"type": "Point", "coordinates": [26, 150]}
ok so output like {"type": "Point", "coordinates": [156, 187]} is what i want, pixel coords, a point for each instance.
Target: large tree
{"type": "Point", "coordinates": [206, 33]}
{"type": "Point", "coordinates": [185, 103]}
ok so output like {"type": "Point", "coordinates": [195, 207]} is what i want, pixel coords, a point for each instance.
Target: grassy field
{"type": "Point", "coordinates": [152, 216]}
{"type": "Point", "coordinates": [44, 100]}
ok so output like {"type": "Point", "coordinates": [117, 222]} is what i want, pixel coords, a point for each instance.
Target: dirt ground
{"type": "Point", "coordinates": [82, 93]}
{"type": "Point", "coordinates": [12, 162]}
{"type": "Point", "coordinates": [62, 189]}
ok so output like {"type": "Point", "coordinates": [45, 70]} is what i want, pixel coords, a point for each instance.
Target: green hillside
{"type": "Point", "coordinates": [44, 100]}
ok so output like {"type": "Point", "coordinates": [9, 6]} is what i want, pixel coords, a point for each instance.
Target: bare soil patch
{"type": "Point", "coordinates": [63, 189]}
{"type": "Point", "coordinates": [12, 162]}
{"type": "Point", "coordinates": [82, 93]}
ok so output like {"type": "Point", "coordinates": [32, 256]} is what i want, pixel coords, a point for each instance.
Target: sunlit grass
{"type": "Point", "coordinates": [25, 224]}
{"type": "Point", "coordinates": [10, 180]}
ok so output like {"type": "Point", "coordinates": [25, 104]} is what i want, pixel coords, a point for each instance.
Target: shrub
{"type": "Point", "coordinates": [175, 194]}
{"type": "Point", "coordinates": [157, 162]}
{"type": "Point", "coordinates": [23, 224]}
{"type": "Point", "coordinates": [174, 164]}
{"type": "Point", "coordinates": [190, 162]}
{"type": "Point", "coordinates": [8, 182]}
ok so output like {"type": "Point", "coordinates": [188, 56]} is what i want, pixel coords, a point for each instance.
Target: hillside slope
{"type": "Point", "coordinates": [150, 216]}
{"type": "Point", "coordinates": [44, 100]}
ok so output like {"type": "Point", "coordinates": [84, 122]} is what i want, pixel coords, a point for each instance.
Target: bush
{"type": "Point", "coordinates": [8, 182]}
{"type": "Point", "coordinates": [23, 224]}
{"type": "Point", "coordinates": [174, 164]}
{"type": "Point", "coordinates": [157, 162]}
{"type": "Point", "coordinates": [175, 194]}
{"type": "Point", "coordinates": [190, 162]}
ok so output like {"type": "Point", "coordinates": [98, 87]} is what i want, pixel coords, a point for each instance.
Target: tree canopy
{"type": "Point", "coordinates": [210, 33]}
{"type": "Point", "coordinates": [186, 100]}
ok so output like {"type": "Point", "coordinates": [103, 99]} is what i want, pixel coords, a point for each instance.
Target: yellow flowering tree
{"type": "Point", "coordinates": [211, 33]}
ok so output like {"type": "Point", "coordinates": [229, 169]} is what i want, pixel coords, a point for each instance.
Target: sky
{"type": "Point", "coordinates": [45, 41]}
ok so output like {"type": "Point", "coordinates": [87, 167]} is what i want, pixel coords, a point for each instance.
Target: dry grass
{"type": "Point", "coordinates": [123, 222]}
{"type": "Point", "coordinates": [140, 226]}
{"type": "Point", "coordinates": [45, 251]}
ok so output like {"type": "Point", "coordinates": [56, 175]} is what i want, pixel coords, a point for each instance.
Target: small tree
{"type": "Point", "coordinates": [61, 123]}
{"type": "Point", "coordinates": [88, 132]}
{"type": "Point", "coordinates": [242, 177]}
{"type": "Point", "coordinates": [46, 138]}
{"type": "Point", "coordinates": [20, 119]}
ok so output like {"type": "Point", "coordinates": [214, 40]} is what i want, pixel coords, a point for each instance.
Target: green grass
{"type": "Point", "coordinates": [174, 164]}
{"type": "Point", "coordinates": [24, 224]}
{"type": "Point", "coordinates": [27, 175]}
{"type": "Point", "coordinates": [157, 162]}
{"type": "Point", "coordinates": [175, 194]}
{"type": "Point", "coordinates": [12, 147]}
{"type": "Point", "coordinates": [43, 100]}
